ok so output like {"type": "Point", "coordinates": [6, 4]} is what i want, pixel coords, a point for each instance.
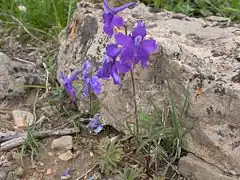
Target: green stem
{"type": "Point", "coordinates": [135, 104]}
{"type": "Point", "coordinates": [56, 14]}
{"type": "Point", "coordinates": [90, 102]}
{"type": "Point", "coordinates": [69, 11]}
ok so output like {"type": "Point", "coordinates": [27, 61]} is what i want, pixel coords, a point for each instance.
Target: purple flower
{"type": "Point", "coordinates": [67, 83]}
{"type": "Point", "coordinates": [89, 79]}
{"type": "Point", "coordinates": [95, 125]}
{"type": "Point", "coordinates": [135, 47]}
{"type": "Point", "coordinates": [109, 67]}
{"type": "Point", "coordinates": [111, 19]}
{"type": "Point", "coordinates": [66, 173]}
{"type": "Point", "coordinates": [91, 178]}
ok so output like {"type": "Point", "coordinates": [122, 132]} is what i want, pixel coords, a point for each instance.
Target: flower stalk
{"type": "Point", "coordinates": [134, 97]}
{"type": "Point", "coordinates": [135, 104]}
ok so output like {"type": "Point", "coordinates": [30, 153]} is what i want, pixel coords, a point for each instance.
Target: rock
{"type": "Point", "coordinates": [65, 177]}
{"type": "Point", "coordinates": [14, 75]}
{"type": "Point", "coordinates": [3, 174]}
{"type": "Point", "coordinates": [7, 164]}
{"type": "Point", "coordinates": [16, 156]}
{"type": "Point", "coordinates": [195, 168]}
{"type": "Point", "coordinates": [189, 55]}
{"type": "Point", "coordinates": [217, 19]}
{"type": "Point", "coordinates": [48, 110]}
{"type": "Point", "coordinates": [5, 171]}
{"type": "Point", "coordinates": [19, 171]}
{"type": "Point", "coordinates": [22, 118]}
{"type": "Point", "coordinates": [62, 143]}
{"type": "Point", "coordinates": [238, 57]}
{"type": "Point", "coordinates": [10, 176]}
{"type": "Point", "coordinates": [49, 171]}
{"type": "Point", "coordinates": [66, 156]}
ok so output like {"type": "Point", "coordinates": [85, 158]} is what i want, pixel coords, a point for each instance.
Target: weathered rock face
{"type": "Point", "coordinates": [14, 75]}
{"type": "Point", "coordinates": [196, 168]}
{"type": "Point", "coordinates": [192, 52]}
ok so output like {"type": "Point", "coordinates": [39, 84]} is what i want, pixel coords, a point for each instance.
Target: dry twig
{"type": "Point", "coordinates": [15, 139]}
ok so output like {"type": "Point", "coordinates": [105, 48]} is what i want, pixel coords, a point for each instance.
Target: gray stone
{"type": "Point", "coordinates": [4, 171]}
{"type": "Point", "coordinates": [217, 19]}
{"type": "Point", "coordinates": [66, 156]}
{"type": "Point", "coordinates": [22, 118]}
{"type": "Point", "coordinates": [195, 168]}
{"type": "Point", "coordinates": [62, 143]}
{"type": "Point", "coordinates": [14, 75]}
{"type": "Point", "coordinates": [11, 176]}
{"type": "Point", "coordinates": [3, 174]}
{"type": "Point", "coordinates": [19, 171]}
{"type": "Point", "coordinates": [189, 54]}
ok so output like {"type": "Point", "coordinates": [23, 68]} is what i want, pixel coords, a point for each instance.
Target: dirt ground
{"type": "Point", "coordinates": [46, 165]}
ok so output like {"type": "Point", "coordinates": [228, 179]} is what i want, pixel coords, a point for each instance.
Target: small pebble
{"type": "Point", "coordinates": [66, 156]}
{"type": "Point", "coordinates": [10, 176]}
{"type": "Point", "coordinates": [62, 143]}
{"type": "Point", "coordinates": [19, 171]}
{"type": "Point", "coordinates": [49, 171]}
{"type": "Point", "coordinates": [3, 175]}
{"type": "Point", "coordinates": [22, 118]}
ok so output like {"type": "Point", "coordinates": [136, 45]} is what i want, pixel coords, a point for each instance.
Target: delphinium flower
{"type": "Point", "coordinates": [91, 81]}
{"type": "Point", "coordinates": [95, 124]}
{"type": "Point", "coordinates": [135, 48]}
{"type": "Point", "coordinates": [67, 83]}
{"type": "Point", "coordinates": [109, 64]}
{"type": "Point", "coordinates": [111, 19]}
{"type": "Point", "coordinates": [66, 174]}
{"type": "Point", "coordinates": [91, 178]}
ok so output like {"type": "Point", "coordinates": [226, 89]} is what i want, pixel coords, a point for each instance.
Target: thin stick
{"type": "Point", "coordinates": [17, 139]}
{"type": "Point", "coordinates": [46, 82]}
{"type": "Point", "coordinates": [24, 61]}
{"type": "Point", "coordinates": [5, 112]}
{"type": "Point", "coordinates": [86, 173]}
{"type": "Point", "coordinates": [34, 108]}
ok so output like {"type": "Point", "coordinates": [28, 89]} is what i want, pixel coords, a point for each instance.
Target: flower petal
{"type": "Point", "coordinates": [122, 39]}
{"type": "Point", "coordinates": [115, 75]}
{"type": "Point", "coordinates": [123, 67]}
{"type": "Point", "coordinates": [62, 77]}
{"type": "Point", "coordinates": [149, 45]}
{"type": "Point", "coordinates": [108, 24]}
{"type": "Point", "coordinates": [74, 76]}
{"type": "Point", "coordinates": [98, 129]}
{"type": "Point", "coordinates": [106, 6]}
{"type": "Point", "coordinates": [127, 54]}
{"type": "Point", "coordinates": [108, 30]}
{"type": "Point", "coordinates": [117, 21]}
{"type": "Point", "coordinates": [143, 57]}
{"type": "Point", "coordinates": [95, 85]}
{"type": "Point", "coordinates": [70, 90]}
{"type": "Point", "coordinates": [140, 30]}
{"type": "Point", "coordinates": [93, 123]}
{"type": "Point", "coordinates": [87, 65]}
{"type": "Point", "coordinates": [85, 90]}
{"type": "Point", "coordinates": [121, 8]}
{"type": "Point", "coordinates": [112, 50]}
